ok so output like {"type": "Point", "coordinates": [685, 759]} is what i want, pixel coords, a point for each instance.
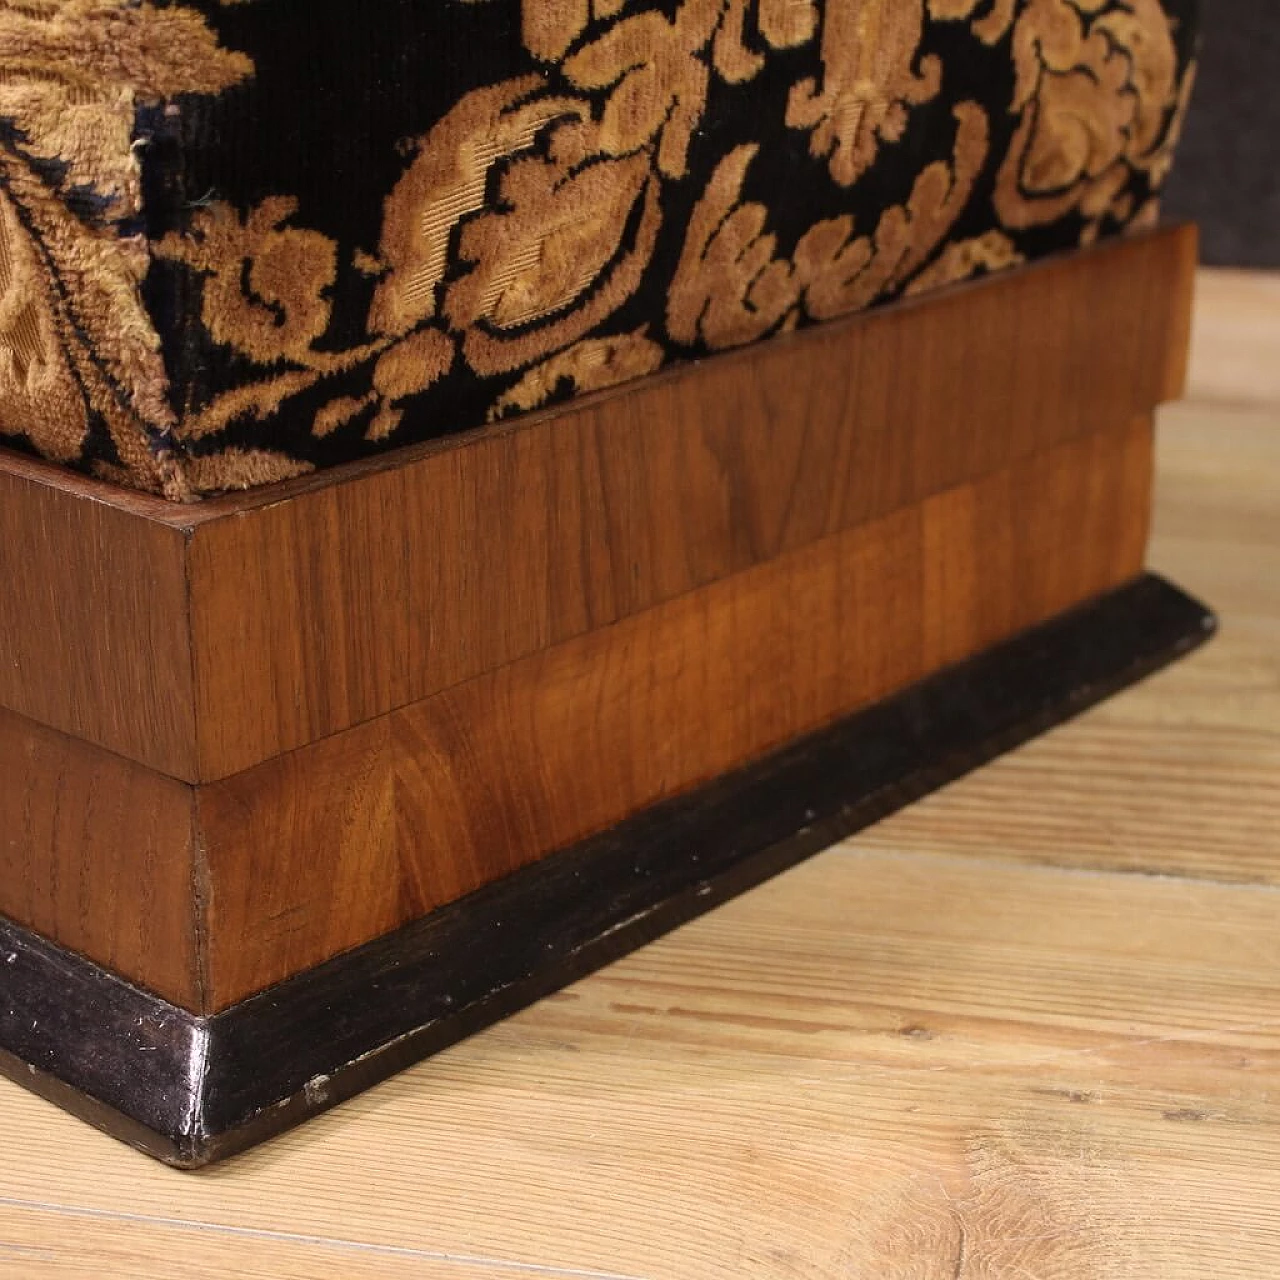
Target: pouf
{"type": "Point", "coordinates": [487, 481]}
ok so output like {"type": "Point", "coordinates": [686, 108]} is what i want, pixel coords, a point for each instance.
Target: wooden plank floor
{"type": "Point", "coordinates": [1029, 1028]}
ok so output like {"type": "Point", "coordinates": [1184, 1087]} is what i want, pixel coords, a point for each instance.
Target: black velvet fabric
{"type": "Point", "coordinates": [712, 174]}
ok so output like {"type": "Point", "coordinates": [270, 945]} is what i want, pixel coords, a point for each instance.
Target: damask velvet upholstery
{"type": "Point", "coordinates": [243, 239]}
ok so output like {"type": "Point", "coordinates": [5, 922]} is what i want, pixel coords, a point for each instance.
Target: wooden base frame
{"type": "Point", "coordinates": [252, 743]}
{"type": "Point", "coordinates": [191, 1090]}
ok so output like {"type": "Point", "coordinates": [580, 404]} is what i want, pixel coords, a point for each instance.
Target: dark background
{"type": "Point", "coordinates": [1228, 173]}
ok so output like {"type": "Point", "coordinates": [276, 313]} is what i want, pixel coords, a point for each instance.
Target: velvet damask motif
{"type": "Point", "coordinates": [242, 239]}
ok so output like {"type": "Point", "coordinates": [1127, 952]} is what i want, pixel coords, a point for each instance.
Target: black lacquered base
{"type": "Point", "coordinates": [193, 1090]}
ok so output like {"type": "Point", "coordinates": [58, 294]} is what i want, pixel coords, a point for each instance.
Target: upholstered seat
{"type": "Point", "coordinates": [239, 241]}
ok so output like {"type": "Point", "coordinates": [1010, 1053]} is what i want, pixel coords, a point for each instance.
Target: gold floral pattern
{"type": "Point", "coordinates": [988, 27]}
{"type": "Point", "coordinates": [872, 76]}
{"type": "Point", "coordinates": [731, 288]}
{"type": "Point", "coordinates": [1097, 89]}
{"type": "Point", "coordinates": [553, 253]}
{"type": "Point", "coordinates": [265, 283]}
{"type": "Point", "coordinates": [963, 259]}
{"type": "Point", "coordinates": [76, 344]}
{"type": "Point", "coordinates": [550, 29]}
{"type": "Point", "coordinates": [592, 365]}
{"type": "Point", "coordinates": [844, 273]}
{"type": "Point", "coordinates": [447, 182]}
{"type": "Point", "coordinates": [657, 179]}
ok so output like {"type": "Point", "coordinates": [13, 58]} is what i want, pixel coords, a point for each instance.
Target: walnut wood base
{"type": "Point", "coordinates": [242, 740]}
{"type": "Point", "coordinates": [192, 1090]}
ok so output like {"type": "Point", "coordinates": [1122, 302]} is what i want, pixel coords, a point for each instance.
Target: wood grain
{"type": "Point", "coordinates": [384, 687]}
{"type": "Point", "coordinates": [40, 1243]}
{"type": "Point", "coordinates": [383, 587]}
{"type": "Point", "coordinates": [94, 638]}
{"type": "Point", "coordinates": [1237, 333]}
{"type": "Point", "coordinates": [207, 894]}
{"type": "Point", "coordinates": [97, 852]}
{"type": "Point", "coordinates": [375, 827]}
{"type": "Point", "coordinates": [1131, 787]}
{"type": "Point", "coordinates": [302, 860]}
{"type": "Point", "coordinates": [850, 1071]}
{"type": "Point", "coordinates": [204, 640]}
{"type": "Point", "coordinates": [877, 1065]}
